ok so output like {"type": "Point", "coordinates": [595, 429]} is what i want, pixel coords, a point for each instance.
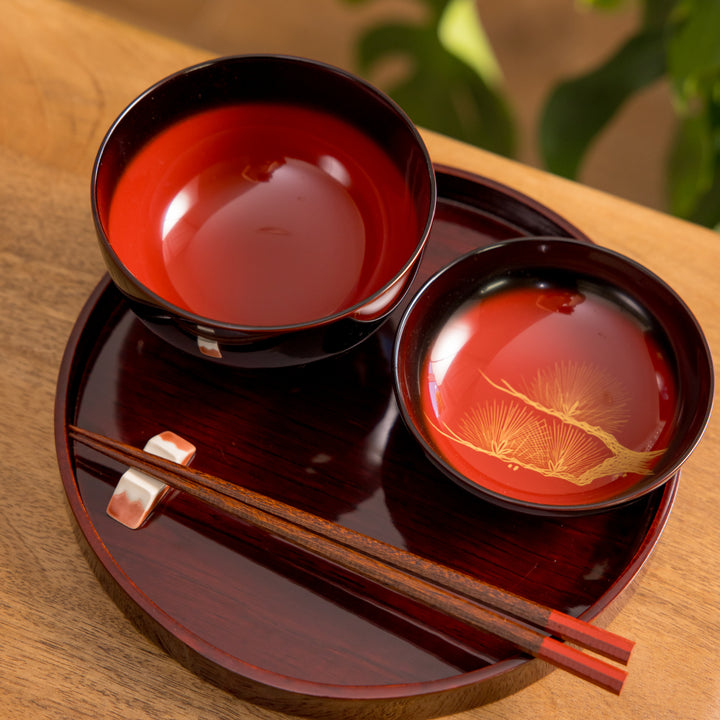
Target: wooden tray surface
{"type": "Point", "coordinates": [282, 628]}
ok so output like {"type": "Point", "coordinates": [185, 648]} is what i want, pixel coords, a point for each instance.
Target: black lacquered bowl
{"type": "Point", "coordinates": [302, 192]}
{"type": "Point", "coordinates": [553, 376]}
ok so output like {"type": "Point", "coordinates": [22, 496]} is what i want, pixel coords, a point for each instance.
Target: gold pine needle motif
{"type": "Point", "coordinates": [561, 426]}
{"type": "Point", "coordinates": [582, 391]}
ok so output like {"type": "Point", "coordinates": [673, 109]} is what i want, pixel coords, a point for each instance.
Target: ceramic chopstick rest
{"type": "Point", "coordinates": [137, 494]}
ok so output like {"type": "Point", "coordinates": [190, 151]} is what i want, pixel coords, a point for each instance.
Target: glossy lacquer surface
{"type": "Point", "coordinates": [252, 614]}
{"type": "Point", "coordinates": [498, 364]}
{"type": "Point", "coordinates": [245, 226]}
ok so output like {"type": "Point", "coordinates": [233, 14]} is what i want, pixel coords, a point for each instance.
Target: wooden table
{"type": "Point", "coordinates": [65, 649]}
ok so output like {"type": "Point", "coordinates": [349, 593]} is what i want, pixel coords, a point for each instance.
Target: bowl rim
{"type": "Point", "coordinates": [633, 492]}
{"type": "Point", "coordinates": [130, 279]}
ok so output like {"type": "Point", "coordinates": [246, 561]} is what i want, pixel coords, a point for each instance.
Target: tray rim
{"type": "Point", "coordinates": [234, 674]}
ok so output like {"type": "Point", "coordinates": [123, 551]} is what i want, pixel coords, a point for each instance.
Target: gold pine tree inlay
{"type": "Point", "coordinates": [561, 425]}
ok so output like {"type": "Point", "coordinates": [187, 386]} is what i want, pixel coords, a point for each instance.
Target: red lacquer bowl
{"type": "Point", "coordinates": [261, 210]}
{"type": "Point", "coordinates": [553, 376]}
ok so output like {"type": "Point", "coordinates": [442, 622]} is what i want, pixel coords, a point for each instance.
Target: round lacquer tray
{"type": "Point", "coordinates": [277, 625]}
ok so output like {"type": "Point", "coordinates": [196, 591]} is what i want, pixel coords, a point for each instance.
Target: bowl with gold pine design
{"type": "Point", "coordinates": [552, 375]}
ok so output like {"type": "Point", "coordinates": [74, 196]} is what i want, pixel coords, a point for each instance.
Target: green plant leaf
{"type": "Point", "coordinates": [578, 109]}
{"type": "Point", "coordinates": [694, 49]}
{"type": "Point", "coordinates": [694, 163]}
{"type": "Point", "coordinates": [657, 13]}
{"type": "Point", "coordinates": [707, 212]}
{"type": "Point", "coordinates": [707, 209]}
{"type": "Point", "coordinates": [604, 4]}
{"type": "Point", "coordinates": [694, 70]}
{"type": "Point", "coordinates": [461, 33]}
{"type": "Point", "coordinates": [691, 165]}
{"type": "Point", "coordinates": [440, 91]}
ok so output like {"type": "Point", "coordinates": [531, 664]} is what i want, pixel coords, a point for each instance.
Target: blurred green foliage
{"type": "Point", "coordinates": [449, 83]}
{"type": "Point", "coordinates": [679, 41]}
{"type": "Point", "coordinates": [452, 85]}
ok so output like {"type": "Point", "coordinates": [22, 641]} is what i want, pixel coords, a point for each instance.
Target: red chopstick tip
{"type": "Point", "coordinates": [584, 666]}
{"type": "Point", "coordinates": [583, 633]}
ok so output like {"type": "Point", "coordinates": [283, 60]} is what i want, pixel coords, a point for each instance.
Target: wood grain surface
{"type": "Point", "coordinates": [66, 650]}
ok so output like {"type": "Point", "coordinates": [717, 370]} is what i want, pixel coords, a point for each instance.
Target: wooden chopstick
{"type": "Point", "coordinates": [554, 622]}
{"type": "Point", "coordinates": [477, 604]}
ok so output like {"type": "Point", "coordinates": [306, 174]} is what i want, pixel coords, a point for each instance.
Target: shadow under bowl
{"type": "Point", "coordinates": [263, 210]}
{"type": "Point", "coordinates": [552, 376]}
